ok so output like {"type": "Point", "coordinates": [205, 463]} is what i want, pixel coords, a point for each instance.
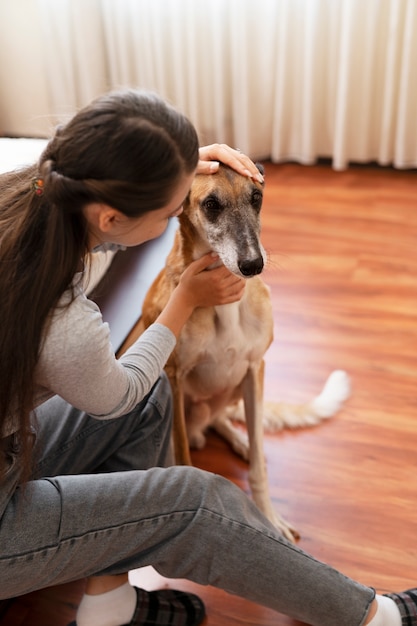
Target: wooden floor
{"type": "Point", "coordinates": [343, 274]}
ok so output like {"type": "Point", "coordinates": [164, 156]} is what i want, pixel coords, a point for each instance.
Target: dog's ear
{"type": "Point", "coordinates": [261, 169]}
{"type": "Point", "coordinates": [186, 202]}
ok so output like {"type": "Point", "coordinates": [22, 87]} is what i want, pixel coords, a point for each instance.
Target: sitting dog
{"type": "Point", "coordinates": [218, 362]}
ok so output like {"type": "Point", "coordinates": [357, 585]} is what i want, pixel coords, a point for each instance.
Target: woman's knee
{"type": "Point", "coordinates": [206, 490]}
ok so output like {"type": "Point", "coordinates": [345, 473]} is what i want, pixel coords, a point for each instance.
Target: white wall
{"type": "Point", "coordinates": [281, 79]}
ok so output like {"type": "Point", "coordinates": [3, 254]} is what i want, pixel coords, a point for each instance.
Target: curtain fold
{"type": "Point", "coordinates": [280, 79]}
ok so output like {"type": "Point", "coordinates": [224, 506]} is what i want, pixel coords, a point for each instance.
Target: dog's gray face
{"type": "Point", "coordinates": [224, 208]}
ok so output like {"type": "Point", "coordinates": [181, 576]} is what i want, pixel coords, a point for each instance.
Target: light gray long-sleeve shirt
{"type": "Point", "coordinates": [77, 361]}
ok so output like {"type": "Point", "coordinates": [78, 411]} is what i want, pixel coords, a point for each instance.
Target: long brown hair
{"type": "Point", "coordinates": [127, 149]}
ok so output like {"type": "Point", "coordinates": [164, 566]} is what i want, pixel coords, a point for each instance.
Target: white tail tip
{"type": "Point", "coordinates": [335, 391]}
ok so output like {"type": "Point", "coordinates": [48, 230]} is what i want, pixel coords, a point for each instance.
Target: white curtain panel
{"type": "Point", "coordinates": [280, 79]}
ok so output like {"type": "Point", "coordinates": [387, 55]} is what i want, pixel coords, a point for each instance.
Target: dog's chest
{"type": "Point", "coordinates": [216, 350]}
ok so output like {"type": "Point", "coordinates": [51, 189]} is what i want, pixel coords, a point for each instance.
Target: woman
{"type": "Point", "coordinates": [87, 490]}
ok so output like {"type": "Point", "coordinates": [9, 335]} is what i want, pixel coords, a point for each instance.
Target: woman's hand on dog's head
{"type": "Point", "coordinates": [211, 155]}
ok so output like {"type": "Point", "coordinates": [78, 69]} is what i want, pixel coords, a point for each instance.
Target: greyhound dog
{"type": "Point", "coordinates": [218, 363]}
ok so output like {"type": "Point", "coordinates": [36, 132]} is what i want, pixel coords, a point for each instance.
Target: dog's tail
{"type": "Point", "coordinates": [285, 415]}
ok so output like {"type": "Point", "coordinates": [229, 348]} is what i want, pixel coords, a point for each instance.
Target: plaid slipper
{"type": "Point", "coordinates": [407, 604]}
{"type": "Point", "coordinates": [166, 607]}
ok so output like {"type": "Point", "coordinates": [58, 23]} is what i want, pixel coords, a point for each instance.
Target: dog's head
{"type": "Point", "coordinates": [222, 211]}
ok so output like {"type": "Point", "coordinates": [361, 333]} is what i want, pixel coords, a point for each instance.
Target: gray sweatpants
{"type": "Point", "coordinates": [94, 507]}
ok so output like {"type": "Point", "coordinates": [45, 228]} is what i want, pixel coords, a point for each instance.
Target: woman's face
{"type": "Point", "coordinates": [128, 231]}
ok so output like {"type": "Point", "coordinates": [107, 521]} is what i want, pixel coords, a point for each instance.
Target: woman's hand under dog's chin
{"type": "Point", "coordinates": [200, 288]}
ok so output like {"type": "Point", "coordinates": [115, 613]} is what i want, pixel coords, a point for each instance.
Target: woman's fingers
{"type": "Point", "coordinates": [213, 287]}
{"type": "Point", "coordinates": [211, 155]}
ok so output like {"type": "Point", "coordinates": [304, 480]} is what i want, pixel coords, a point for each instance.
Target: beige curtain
{"type": "Point", "coordinates": [280, 79]}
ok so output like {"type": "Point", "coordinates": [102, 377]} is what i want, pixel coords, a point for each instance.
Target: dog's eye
{"type": "Point", "coordinates": [212, 207]}
{"type": "Point", "coordinates": [256, 200]}
{"type": "Point", "coordinates": [211, 204]}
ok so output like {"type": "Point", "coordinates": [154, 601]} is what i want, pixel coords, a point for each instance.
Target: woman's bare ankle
{"type": "Point", "coordinates": [372, 611]}
{"type": "Point", "coordinates": [101, 584]}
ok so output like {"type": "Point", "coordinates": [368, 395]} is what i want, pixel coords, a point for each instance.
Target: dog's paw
{"type": "Point", "coordinates": [197, 440]}
{"type": "Point", "coordinates": [240, 444]}
{"type": "Point", "coordinates": [237, 438]}
{"type": "Point", "coordinates": [285, 528]}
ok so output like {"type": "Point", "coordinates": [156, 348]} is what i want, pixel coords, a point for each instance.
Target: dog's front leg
{"type": "Point", "coordinates": [252, 388]}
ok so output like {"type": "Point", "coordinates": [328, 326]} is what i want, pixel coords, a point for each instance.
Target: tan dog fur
{"type": "Point", "coordinates": [218, 362]}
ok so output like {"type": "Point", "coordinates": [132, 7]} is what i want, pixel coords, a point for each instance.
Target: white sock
{"type": "Point", "coordinates": [388, 613]}
{"type": "Point", "coordinates": [112, 608]}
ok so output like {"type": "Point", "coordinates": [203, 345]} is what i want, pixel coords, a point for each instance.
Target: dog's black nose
{"type": "Point", "coordinates": [251, 268]}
